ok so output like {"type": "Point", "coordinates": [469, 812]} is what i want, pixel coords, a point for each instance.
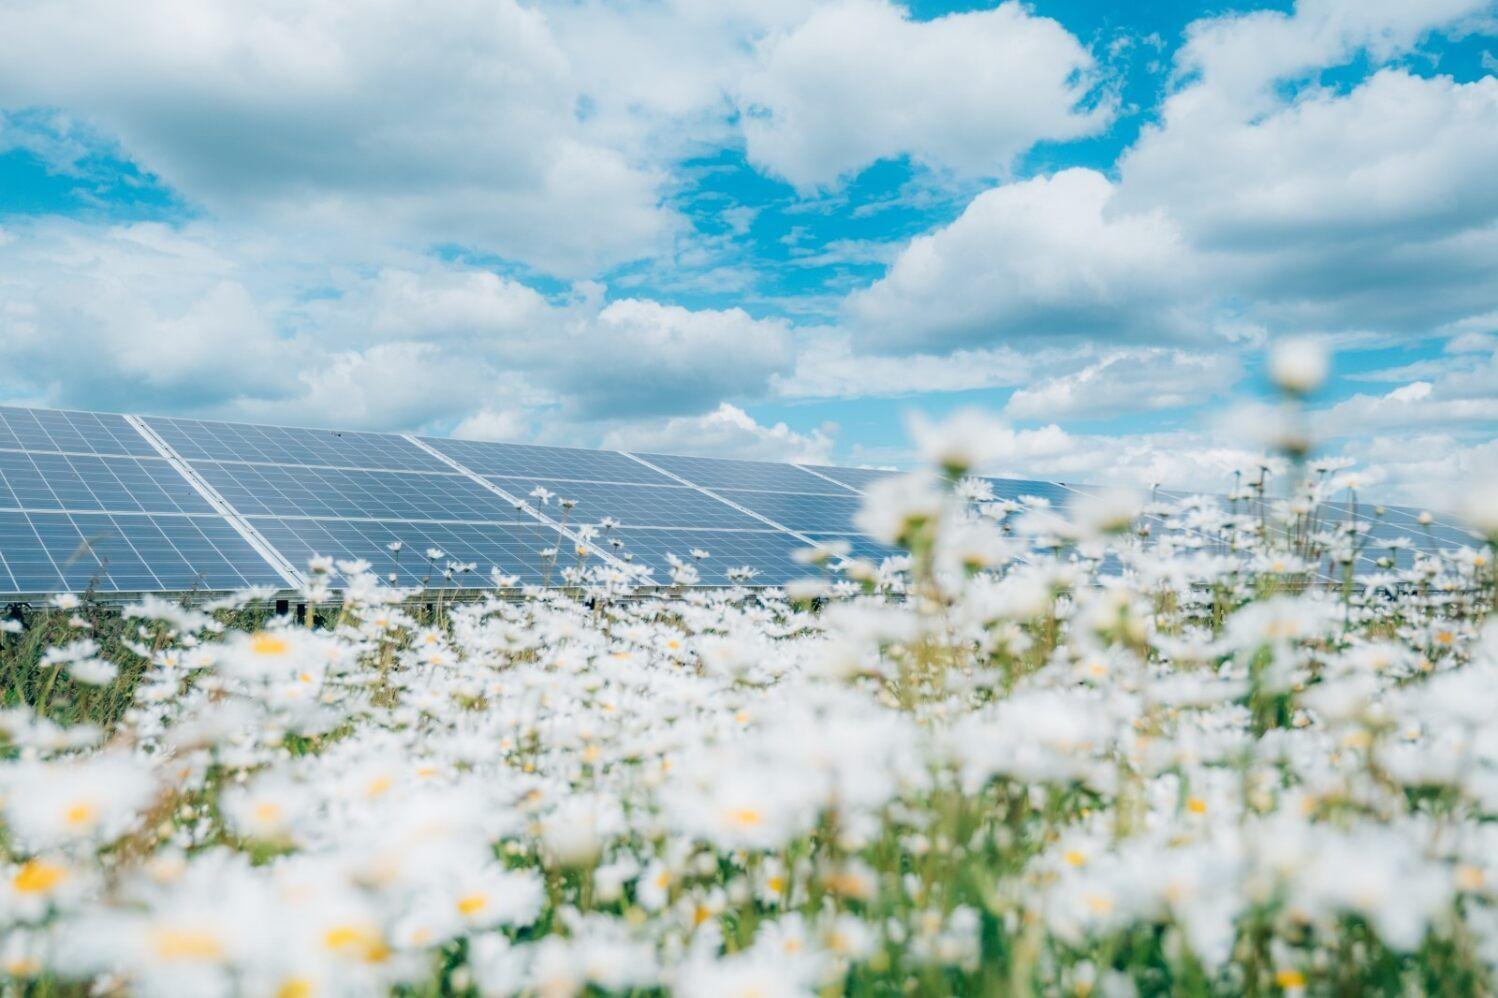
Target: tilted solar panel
{"type": "Point", "coordinates": [282, 490]}
{"type": "Point", "coordinates": [768, 553]}
{"type": "Point", "coordinates": [424, 552]}
{"type": "Point", "coordinates": [632, 505]}
{"type": "Point", "coordinates": [853, 478]}
{"type": "Point", "coordinates": [64, 431]}
{"type": "Point", "coordinates": [799, 511]}
{"type": "Point", "coordinates": [206, 440]}
{"type": "Point", "coordinates": [70, 552]}
{"type": "Point", "coordinates": [527, 461]}
{"type": "Point", "coordinates": [720, 473]}
{"type": "Point", "coordinates": [81, 482]}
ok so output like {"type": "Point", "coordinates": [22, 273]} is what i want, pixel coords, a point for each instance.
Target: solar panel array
{"type": "Point", "coordinates": [124, 504]}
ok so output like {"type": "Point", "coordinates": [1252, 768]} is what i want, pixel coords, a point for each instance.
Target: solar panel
{"type": "Point", "coordinates": [565, 463]}
{"type": "Point", "coordinates": [768, 552]}
{"type": "Point", "coordinates": [62, 431]}
{"type": "Point", "coordinates": [204, 440]}
{"type": "Point", "coordinates": [855, 478]}
{"type": "Point", "coordinates": [631, 505]}
{"type": "Point", "coordinates": [719, 473]}
{"type": "Point", "coordinates": [79, 482]}
{"type": "Point", "coordinates": [798, 511]}
{"type": "Point", "coordinates": [426, 550]}
{"type": "Point", "coordinates": [69, 552]}
{"type": "Point", "coordinates": [1016, 489]}
{"type": "Point", "coordinates": [282, 490]}
{"type": "Point", "coordinates": [859, 546]}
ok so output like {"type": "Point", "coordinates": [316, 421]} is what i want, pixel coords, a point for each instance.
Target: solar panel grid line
{"type": "Point", "coordinates": [283, 567]}
{"type": "Point", "coordinates": [709, 492]}
{"type": "Point", "coordinates": [834, 481]}
{"type": "Point", "coordinates": [668, 504]}
{"type": "Point", "coordinates": [732, 473]}
{"type": "Point", "coordinates": [523, 505]}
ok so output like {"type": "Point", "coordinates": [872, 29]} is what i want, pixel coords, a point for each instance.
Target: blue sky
{"type": "Point", "coordinates": [765, 229]}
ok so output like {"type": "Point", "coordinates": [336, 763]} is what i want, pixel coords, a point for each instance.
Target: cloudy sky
{"type": "Point", "coordinates": [764, 228]}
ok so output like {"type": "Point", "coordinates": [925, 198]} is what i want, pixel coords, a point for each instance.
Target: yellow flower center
{"type": "Point", "coordinates": [23, 966]}
{"type": "Point", "coordinates": [356, 941]}
{"type": "Point", "coordinates": [1196, 805]}
{"type": "Point", "coordinates": [377, 786]}
{"type": "Point", "coordinates": [38, 877]}
{"type": "Point", "coordinates": [1290, 979]}
{"type": "Point", "coordinates": [472, 904]}
{"type": "Point", "coordinates": [186, 944]}
{"type": "Point", "coordinates": [80, 814]}
{"type": "Point", "coordinates": [296, 987]}
{"type": "Point", "coordinates": [266, 643]}
{"type": "Point", "coordinates": [268, 813]}
{"type": "Point", "coordinates": [746, 817]}
{"type": "Point", "coordinates": [1075, 857]}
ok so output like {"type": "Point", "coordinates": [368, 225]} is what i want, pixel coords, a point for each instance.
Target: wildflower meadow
{"type": "Point", "coordinates": [1136, 746]}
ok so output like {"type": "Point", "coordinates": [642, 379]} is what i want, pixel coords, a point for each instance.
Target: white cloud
{"type": "Point", "coordinates": [727, 431]}
{"type": "Point", "coordinates": [174, 319]}
{"type": "Point", "coordinates": [380, 119]}
{"type": "Point", "coordinates": [1127, 381]}
{"type": "Point", "coordinates": [827, 366]}
{"type": "Point", "coordinates": [1461, 396]}
{"type": "Point", "coordinates": [860, 81]}
{"type": "Point", "coordinates": [1034, 260]}
{"type": "Point", "coordinates": [140, 313]}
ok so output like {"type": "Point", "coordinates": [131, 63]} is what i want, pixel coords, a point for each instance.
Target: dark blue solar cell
{"type": "Point", "coordinates": [30, 480]}
{"type": "Point", "coordinates": [717, 473]}
{"type": "Point", "coordinates": [533, 551]}
{"type": "Point", "coordinates": [796, 511]}
{"type": "Point", "coordinates": [203, 440]}
{"type": "Point", "coordinates": [277, 490]}
{"type": "Point", "coordinates": [526, 461]}
{"type": "Point", "coordinates": [59, 430]}
{"type": "Point", "coordinates": [71, 552]}
{"type": "Point", "coordinates": [631, 505]}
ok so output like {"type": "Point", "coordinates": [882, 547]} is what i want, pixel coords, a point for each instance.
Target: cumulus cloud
{"type": "Point", "coordinates": [142, 314]}
{"type": "Point", "coordinates": [1127, 381]}
{"type": "Point", "coordinates": [376, 119]}
{"type": "Point", "coordinates": [860, 81]}
{"type": "Point", "coordinates": [176, 319]}
{"type": "Point", "coordinates": [1032, 260]}
{"type": "Point", "coordinates": [727, 431]}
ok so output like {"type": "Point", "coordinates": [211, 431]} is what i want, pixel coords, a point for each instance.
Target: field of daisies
{"type": "Point", "coordinates": [1126, 748]}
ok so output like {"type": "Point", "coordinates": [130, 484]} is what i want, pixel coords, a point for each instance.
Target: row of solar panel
{"type": "Point", "coordinates": [86, 497]}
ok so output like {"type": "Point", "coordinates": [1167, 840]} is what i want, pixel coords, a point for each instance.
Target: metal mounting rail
{"type": "Point", "coordinates": [519, 503]}
{"type": "Point", "coordinates": [288, 572]}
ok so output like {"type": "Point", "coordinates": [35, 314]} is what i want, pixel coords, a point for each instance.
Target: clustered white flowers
{"type": "Point", "coordinates": [1126, 747]}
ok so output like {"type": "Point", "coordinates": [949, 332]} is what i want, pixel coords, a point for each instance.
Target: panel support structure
{"type": "Point", "coordinates": [518, 502]}
{"type": "Point", "coordinates": [289, 573]}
